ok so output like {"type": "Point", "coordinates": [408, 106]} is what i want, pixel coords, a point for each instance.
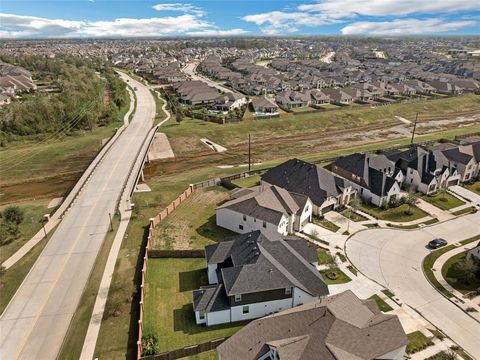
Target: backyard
{"type": "Point", "coordinates": [443, 200]}
{"type": "Point", "coordinates": [193, 225]}
{"type": "Point", "coordinates": [168, 304]}
{"type": "Point", "coordinates": [247, 182]}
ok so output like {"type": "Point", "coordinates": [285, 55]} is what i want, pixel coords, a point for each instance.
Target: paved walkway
{"type": "Point", "coordinates": [434, 211]}
{"type": "Point", "coordinates": [465, 194]}
{"type": "Point", "coordinates": [344, 223]}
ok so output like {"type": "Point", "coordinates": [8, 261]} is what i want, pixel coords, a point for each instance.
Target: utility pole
{"type": "Point", "coordinates": [249, 154]}
{"type": "Point", "coordinates": [44, 230]}
{"type": "Point", "coordinates": [111, 224]}
{"type": "Point", "coordinates": [414, 128]}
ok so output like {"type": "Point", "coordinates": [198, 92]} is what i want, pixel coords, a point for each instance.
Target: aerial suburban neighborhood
{"type": "Point", "coordinates": [270, 180]}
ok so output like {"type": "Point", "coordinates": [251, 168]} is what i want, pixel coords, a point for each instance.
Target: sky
{"type": "Point", "coordinates": [142, 18]}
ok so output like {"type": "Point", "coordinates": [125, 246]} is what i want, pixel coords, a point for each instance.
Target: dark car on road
{"type": "Point", "coordinates": [437, 243]}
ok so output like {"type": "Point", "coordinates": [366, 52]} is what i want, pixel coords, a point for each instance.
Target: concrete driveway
{"type": "Point", "coordinates": [37, 318]}
{"type": "Point", "coordinates": [393, 258]}
{"type": "Point", "coordinates": [465, 193]}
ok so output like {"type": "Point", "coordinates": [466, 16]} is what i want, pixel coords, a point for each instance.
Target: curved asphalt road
{"type": "Point", "coordinates": [36, 320]}
{"type": "Point", "coordinates": [393, 258]}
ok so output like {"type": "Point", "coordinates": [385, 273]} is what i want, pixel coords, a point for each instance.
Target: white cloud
{"type": "Point", "coordinates": [405, 27]}
{"type": "Point", "coordinates": [15, 26]}
{"type": "Point", "coordinates": [349, 8]}
{"type": "Point", "coordinates": [186, 8]}
{"type": "Point", "coordinates": [334, 11]}
{"type": "Point", "coordinates": [278, 21]}
{"type": "Point", "coordinates": [231, 32]}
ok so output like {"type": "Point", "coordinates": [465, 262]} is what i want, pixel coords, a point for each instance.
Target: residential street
{"type": "Point", "coordinates": [393, 258]}
{"type": "Point", "coordinates": [36, 320]}
{"type": "Point", "coordinates": [190, 69]}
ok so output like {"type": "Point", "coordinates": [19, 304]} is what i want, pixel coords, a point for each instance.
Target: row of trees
{"type": "Point", "coordinates": [10, 219]}
{"type": "Point", "coordinates": [79, 104]}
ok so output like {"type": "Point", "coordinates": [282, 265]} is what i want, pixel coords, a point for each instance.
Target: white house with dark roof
{"type": "Point", "coordinates": [267, 208]}
{"type": "Point", "coordinates": [257, 274]}
{"type": "Point", "coordinates": [339, 327]}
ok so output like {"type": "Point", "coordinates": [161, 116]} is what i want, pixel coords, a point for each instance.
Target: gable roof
{"type": "Point", "coordinates": [338, 327]}
{"type": "Point", "coordinates": [258, 261]}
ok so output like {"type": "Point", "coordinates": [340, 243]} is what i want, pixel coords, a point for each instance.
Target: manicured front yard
{"type": "Point", "coordinates": [325, 224]}
{"type": "Point", "coordinates": [417, 341]}
{"type": "Point", "coordinates": [168, 304]}
{"type": "Point", "coordinates": [192, 225]}
{"type": "Point", "coordinates": [464, 211]}
{"type": "Point", "coordinates": [460, 279]}
{"type": "Point", "coordinates": [349, 214]}
{"type": "Point", "coordinates": [443, 200]}
{"type": "Point", "coordinates": [247, 181]}
{"type": "Point", "coordinates": [382, 305]}
{"type": "Point", "coordinates": [394, 214]}
{"type": "Point", "coordinates": [334, 276]}
{"type": "Point", "coordinates": [475, 187]}
{"type": "Point", "coordinates": [324, 257]}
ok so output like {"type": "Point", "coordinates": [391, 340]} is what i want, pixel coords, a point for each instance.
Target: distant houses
{"type": "Point", "coordinates": [338, 327]}
{"type": "Point", "coordinates": [14, 80]}
{"type": "Point", "coordinates": [257, 274]}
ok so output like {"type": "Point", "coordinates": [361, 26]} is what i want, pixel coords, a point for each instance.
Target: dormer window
{"type": "Point", "coordinates": [238, 297]}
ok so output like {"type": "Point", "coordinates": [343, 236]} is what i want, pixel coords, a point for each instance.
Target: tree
{"type": "Point", "coordinates": [410, 200]}
{"type": "Point", "coordinates": [13, 214]}
{"type": "Point", "coordinates": [468, 267]}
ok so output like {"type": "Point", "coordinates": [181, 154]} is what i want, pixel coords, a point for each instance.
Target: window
{"type": "Point", "coordinates": [288, 291]}
{"type": "Point", "coordinates": [238, 297]}
{"type": "Point", "coordinates": [245, 310]}
{"type": "Point", "coordinates": [265, 224]}
{"type": "Point", "coordinates": [244, 217]}
{"type": "Point", "coordinates": [201, 314]}
{"type": "Point", "coordinates": [306, 208]}
{"type": "Point", "coordinates": [240, 227]}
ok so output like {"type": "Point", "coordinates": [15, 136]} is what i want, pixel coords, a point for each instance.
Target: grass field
{"type": "Point", "coordinates": [394, 214]}
{"type": "Point", "coordinates": [33, 214]}
{"type": "Point", "coordinates": [192, 225]}
{"type": "Point", "coordinates": [443, 200]}
{"type": "Point", "coordinates": [168, 304]}
{"type": "Point", "coordinates": [456, 277]}
{"type": "Point", "coordinates": [247, 181]}
{"type": "Point", "coordinates": [349, 214]}
{"type": "Point", "coordinates": [325, 257]}
{"type": "Point", "coordinates": [382, 305]}
{"type": "Point", "coordinates": [288, 133]}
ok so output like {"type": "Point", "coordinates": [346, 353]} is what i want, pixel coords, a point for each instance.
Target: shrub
{"type": "Point", "coordinates": [13, 214]}
{"type": "Point", "coordinates": [150, 345]}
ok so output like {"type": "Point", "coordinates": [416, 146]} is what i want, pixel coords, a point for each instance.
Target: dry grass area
{"type": "Point", "coordinates": [192, 224]}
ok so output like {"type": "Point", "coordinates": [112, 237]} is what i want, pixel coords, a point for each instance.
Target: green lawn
{"type": "Point", "coordinates": [467, 210]}
{"type": "Point", "coordinates": [475, 187]}
{"type": "Point", "coordinates": [207, 355]}
{"type": "Point", "coordinates": [326, 224]}
{"type": "Point", "coordinates": [324, 257]}
{"type": "Point", "coordinates": [247, 182]}
{"type": "Point", "coordinates": [193, 224]}
{"type": "Point", "coordinates": [168, 304]}
{"type": "Point", "coordinates": [417, 342]}
{"type": "Point", "coordinates": [382, 305]}
{"type": "Point", "coordinates": [443, 200]}
{"type": "Point", "coordinates": [457, 277]}
{"type": "Point", "coordinates": [33, 214]}
{"type": "Point", "coordinates": [349, 214]}
{"type": "Point", "coordinates": [302, 109]}
{"type": "Point", "coordinates": [334, 276]}
{"type": "Point", "coordinates": [352, 269]}
{"type": "Point", "coordinates": [394, 214]}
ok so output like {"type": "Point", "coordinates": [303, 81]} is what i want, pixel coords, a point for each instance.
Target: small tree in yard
{"type": "Point", "coordinates": [13, 214]}
{"type": "Point", "coordinates": [150, 345]}
{"type": "Point", "coordinates": [410, 200]}
{"type": "Point", "coordinates": [469, 268]}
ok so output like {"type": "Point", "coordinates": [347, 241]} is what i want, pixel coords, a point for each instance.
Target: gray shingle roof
{"type": "Point", "coordinates": [338, 327]}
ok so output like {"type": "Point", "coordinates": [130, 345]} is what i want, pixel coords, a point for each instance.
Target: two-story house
{"type": "Point", "coordinates": [267, 208]}
{"type": "Point", "coordinates": [257, 274]}
{"type": "Point", "coordinates": [326, 190]}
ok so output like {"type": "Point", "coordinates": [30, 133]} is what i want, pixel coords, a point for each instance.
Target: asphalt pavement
{"type": "Point", "coordinates": [37, 318]}
{"type": "Point", "coordinates": [393, 258]}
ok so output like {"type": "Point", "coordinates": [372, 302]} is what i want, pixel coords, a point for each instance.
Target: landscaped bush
{"type": "Point", "coordinates": [150, 345]}
{"type": "Point", "coordinates": [332, 275]}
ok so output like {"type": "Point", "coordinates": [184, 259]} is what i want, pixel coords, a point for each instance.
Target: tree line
{"type": "Point", "coordinates": [79, 104]}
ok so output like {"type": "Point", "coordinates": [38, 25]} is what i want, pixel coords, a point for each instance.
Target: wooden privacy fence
{"type": "Point", "coordinates": [187, 351]}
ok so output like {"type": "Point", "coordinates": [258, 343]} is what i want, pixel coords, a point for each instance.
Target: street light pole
{"type": "Point", "coordinates": [414, 128]}
{"type": "Point", "coordinates": [44, 230]}
{"type": "Point", "coordinates": [249, 154]}
{"type": "Point", "coordinates": [111, 225]}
